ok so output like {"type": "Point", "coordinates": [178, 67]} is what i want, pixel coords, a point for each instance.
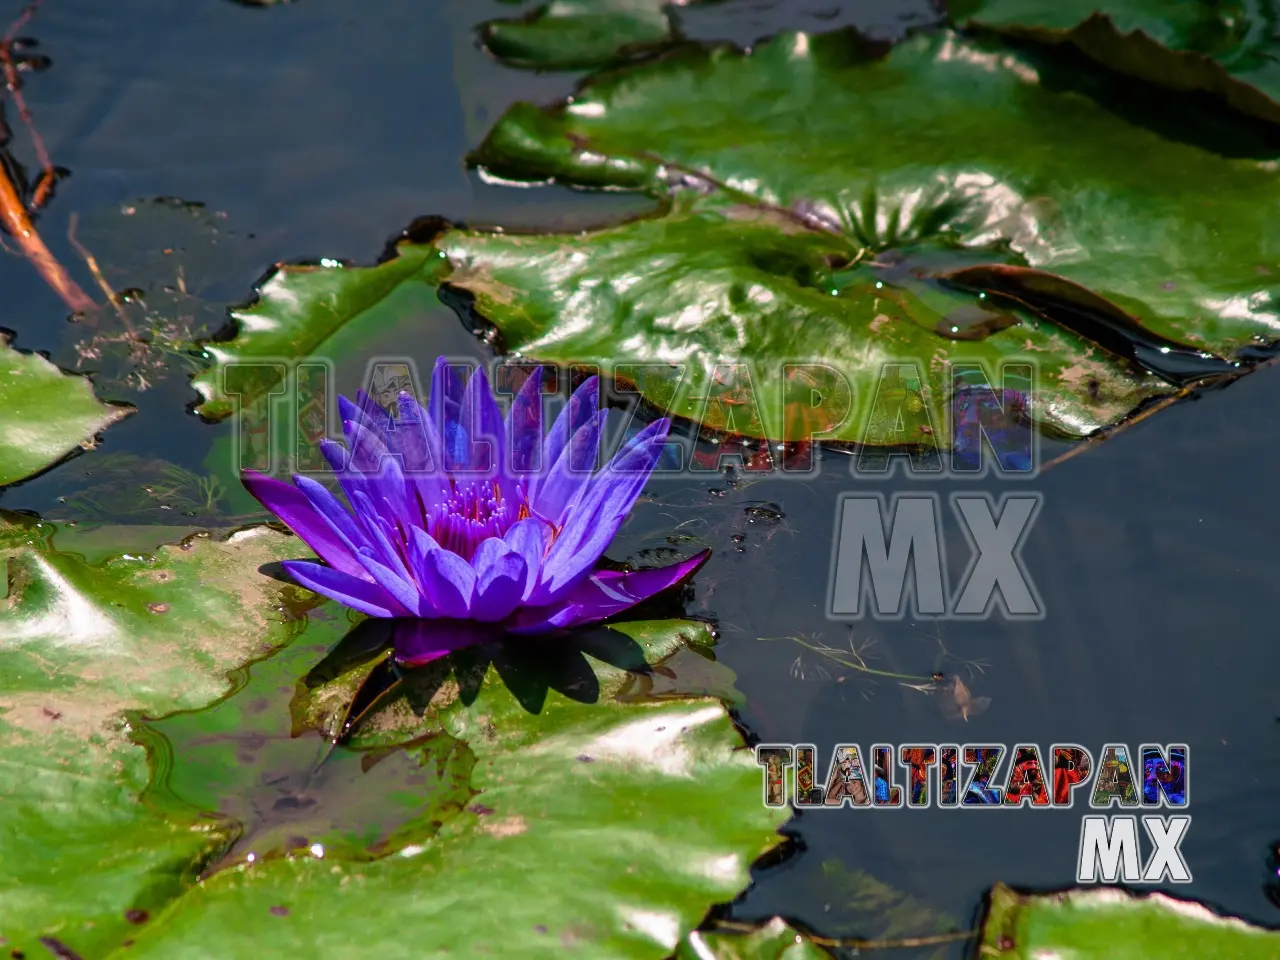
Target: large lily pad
{"type": "Point", "coordinates": [1227, 49]}
{"type": "Point", "coordinates": [1112, 924]}
{"type": "Point", "coordinates": [648, 798]}
{"type": "Point", "coordinates": [942, 145]}
{"type": "Point", "coordinates": [300, 312]}
{"type": "Point", "coordinates": [587, 825]}
{"type": "Point", "coordinates": [81, 859]}
{"type": "Point", "coordinates": [735, 317]}
{"type": "Point", "coordinates": [47, 413]}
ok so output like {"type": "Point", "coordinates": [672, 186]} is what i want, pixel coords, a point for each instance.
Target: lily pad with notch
{"type": "Point", "coordinates": [648, 813]}
{"type": "Point", "coordinates": [47, 413]}
{"type": "Point", "coordinates": [299, 312]}
{"type": "Point", "coordinates": [945, 142]}
{"type": "Point", "coordinates": [1115, 924]}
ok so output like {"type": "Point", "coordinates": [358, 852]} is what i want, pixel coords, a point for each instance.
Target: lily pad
{"type": "Point", "coordinates": [1110, 923]}
{"type": "Point", "coordinates": [1227, 49]}
{"type": "Point", "coordinates": [586, 824]}
{"type": "Point", "coordinates": [944, 146]}
{"type": "Point", "coordinates": [648, 803]}
{"type": "Point", "coordinates": [82, 861]}
{"type": "Point", "coordinates": [878, 912]}
{"type": "Point", "coordinates": [299, 312]}
{"type": "Point", "coordinates": [736, 317]}
{"type": "Point", "coordinates": [575, 34]}
{"type": "Point", "coordinates": [47, 413]}
{"type": "Point", "coordinates": [775, 940]}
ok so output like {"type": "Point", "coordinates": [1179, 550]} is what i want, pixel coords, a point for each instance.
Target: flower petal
{"type": "Point", "coordinates": [413, 436]}
{"type": "Point", "coordinates": [603, 594]}
{"type": "Point", "coordinates": [444, 409]}
{"type": "Point", "coordinates": [380, 530]}
{"type": "Point", "coordinates": [482, 421]}
{"type": "Point", "coordinates": [365, 411]}
{"type": "Point", "coordinates": [598, 514]}
{"type": "Point", "coordinates": [402, 588]}
{"type": "Point", "coordinates": [570, 475]}
{"type": "Point", "coordinates": [372, 470]}
{"type": "Point", "coordinates": [501, 577]}
{"type": "Point", "coordinates": [300, 515]}
{"type": "Point", "coordinates": [524, 427]}
{"type": "Point", "coordinates": [365, 442]}
{"type": "Point", "coordinates": [418, 642]}
{"type": "Point", "coordinates": [530, 539]}
{"type": "Point", "coordinates": [580, 410]}
{"type": "Point", "coordinates": [446, 580]}
{"type": "Point", "coordinates": [333, 510]}
{"type": "Point", "coordinates": [354, 592]}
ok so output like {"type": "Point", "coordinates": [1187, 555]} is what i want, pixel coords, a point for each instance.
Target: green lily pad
{"type": "Point", "coordinates": [944, 152]}
{"type": "Point", "coordinates": [531, 813]}
{"type": "Point", "coordinates": [576, 34]}
{"type": "Point", "coordinates": [81, 859]}
{"type": "Point", "coordinates": [775, 940]}
{"type": "Point", "coordinates": [47, 413]}
{"type": "Point", "coordinates": [645, 799]}
{"type": "Point", "coordinates": [735, 317]}
{"type": "Point", "coordinates": [1112, 924]}
{"type": "Point", "coordinates": [1227, 49]}
{"type": "Point", "coordinates": [300, 312]}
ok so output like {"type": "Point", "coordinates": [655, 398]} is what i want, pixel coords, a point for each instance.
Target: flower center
{"type": "Point", "coordinates": [474, 512]}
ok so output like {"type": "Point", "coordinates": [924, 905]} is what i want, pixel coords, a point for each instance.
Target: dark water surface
{"type": "Point", "coordinates": [321, 128]}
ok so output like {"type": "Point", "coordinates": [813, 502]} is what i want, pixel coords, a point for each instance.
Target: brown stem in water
{"type": "Point", "coordinates": [15, 88]}
{"type": "Point", "coordinates": [92, 263]}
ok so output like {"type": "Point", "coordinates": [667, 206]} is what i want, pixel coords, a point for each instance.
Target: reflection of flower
{"type": "Point", "coordinates": [462, 525]}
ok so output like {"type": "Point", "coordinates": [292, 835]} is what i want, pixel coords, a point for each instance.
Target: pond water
{"type": "Point", "coordinates": [321, 129]}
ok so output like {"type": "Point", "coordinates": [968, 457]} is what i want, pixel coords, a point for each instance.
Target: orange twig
{"type": "Point", "coordinates": [14, 217]}
{"type": "Point", "coordinates": [13, 213]}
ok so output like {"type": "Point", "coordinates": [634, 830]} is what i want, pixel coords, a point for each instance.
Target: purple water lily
{"type": "Point", "coordinates": [470, 525]}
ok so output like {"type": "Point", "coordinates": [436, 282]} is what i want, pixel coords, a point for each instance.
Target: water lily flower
{"type": "Point", "coordinates": [473, 526]}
